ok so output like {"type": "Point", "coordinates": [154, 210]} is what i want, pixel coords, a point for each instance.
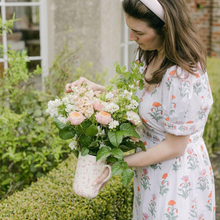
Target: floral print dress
{"type": "Point", "coordinates": [181, 188]}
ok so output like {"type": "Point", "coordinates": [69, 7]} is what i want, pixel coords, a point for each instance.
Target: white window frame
{"type": "Point", "coordinates": [43, 5]}
{"type": "Point", "coordinates": [126, 43]}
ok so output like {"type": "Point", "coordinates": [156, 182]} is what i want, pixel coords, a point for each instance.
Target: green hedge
{"type": "Point", "coordinates": [212, 129]}
{"type": "Point", "coordinates": [52, 197]}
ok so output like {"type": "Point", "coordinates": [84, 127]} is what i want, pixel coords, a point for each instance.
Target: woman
{"type": "Point", "coordinates": [173, 179]}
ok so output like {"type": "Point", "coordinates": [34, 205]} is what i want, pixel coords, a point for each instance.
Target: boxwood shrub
{"type": "Point", "coordinates": [52, 197]}
{"type": "Point", "coordinates": [212, 129]}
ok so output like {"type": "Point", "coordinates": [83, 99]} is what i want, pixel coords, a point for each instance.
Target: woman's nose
{"type": "Point", "coordinates": [132, 36]}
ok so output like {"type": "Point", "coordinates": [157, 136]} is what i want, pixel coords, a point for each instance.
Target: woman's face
{"type": "Point", "coordinates": [145, 36]}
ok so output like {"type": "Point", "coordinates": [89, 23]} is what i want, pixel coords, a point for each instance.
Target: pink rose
{"type": "Point", "coordinates": [76, 118]}
{"type": "Point", "coordinates": [98, 106]}
{"type": "Point", "coordinates": [103, 117]}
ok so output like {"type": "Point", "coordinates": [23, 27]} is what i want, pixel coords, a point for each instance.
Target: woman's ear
{"type": "Point", "coordinates": [164, 28]}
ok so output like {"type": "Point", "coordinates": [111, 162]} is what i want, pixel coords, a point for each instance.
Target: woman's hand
{"type": "Point", "coordinates": [101, 178]}
{"type": "Point", "coordinates": [80, 81]}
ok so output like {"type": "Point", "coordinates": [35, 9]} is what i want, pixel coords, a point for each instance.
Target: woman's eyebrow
{"type": "Point", "coordinates": [136, 31]}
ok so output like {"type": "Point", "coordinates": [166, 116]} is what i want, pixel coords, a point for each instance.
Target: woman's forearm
{"type": "Point", "coordinates": [170, 148]}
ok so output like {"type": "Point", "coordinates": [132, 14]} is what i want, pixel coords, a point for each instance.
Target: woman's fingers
{"type": "Point", "coordinates": [102, 177]}
{"type": "Point", "coordinates": [78, 83]}
{"type": "Point", "coordinates": [103, 185]}
{"type": "Point", "coordinates": [68, 87]}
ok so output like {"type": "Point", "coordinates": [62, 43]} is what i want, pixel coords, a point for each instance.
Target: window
{"type": "Point", "coordinates": [29, 32]}
{"type": "Point", "coordinates": [128, 48]}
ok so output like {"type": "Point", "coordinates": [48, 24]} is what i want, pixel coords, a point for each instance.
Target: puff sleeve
{"type": "Point", "coordinates": [186, 101]}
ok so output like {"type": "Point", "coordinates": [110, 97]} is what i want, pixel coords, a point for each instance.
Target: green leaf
{"type": "Point", "coordinates": [66, 133]}
{"type": "Point", "coordinates": [76, 153]}
{"type": "Point", "coordinates": [94, 144]}
{"type": "Point", "coordinates": [103, 153]}
{"type": "Point", "coordinates": [130, 129]}
{"type": "Point", "coordinates": [127, 176]}
{"type": "Point", "coordinates": [118, 153]}
{"type": "Point", "coordinates": [123, 68]}
{"type": "Point", "coordinates": [115, 137]}
{"type": "Point", "coordinates": [141, 84]}
{"type": "Point", "coordinates": [91, 131]}
{"type": "Point", "coordinates": [127, 75]}
{"type": "Point", "coordinates": [117, 169]}
{"type": "Point", "coordinates": [59, 124]}
{"type": "Point", "coordinates": [37, 113]}
{"type": "Point", "coordinates": [6, 182]}
{"type": "Point", "coordinates": [125, 148]}
{"type": "Point", "coordinates": [84, 151]}
{"type": "Point", "coordinates": [141, 145]}
{"type": "Point", "coordinates": [111, 160]}
{"type": "Point", "coordinates": [85, 141]}
{"type": "Point", "coordinates": [86, 124]}
{"type": "Point", "coordinates": [79, 130]}
{"type": "Point", "coordinates": [33, 168]}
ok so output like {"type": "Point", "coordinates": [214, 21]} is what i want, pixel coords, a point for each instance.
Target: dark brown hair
{"type": "Point", "coordinates": [182, 44]}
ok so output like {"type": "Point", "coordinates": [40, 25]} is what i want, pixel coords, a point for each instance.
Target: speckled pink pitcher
{"type": "Point", "coordinates": [87, 171]}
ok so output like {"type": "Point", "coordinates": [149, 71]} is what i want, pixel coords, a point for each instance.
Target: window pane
{"type": "Point", "coordinates": [33, 64]}
{"type": "Point", "coordinates": [21, 0]}
{"type": "Point", "coordinates": [26, 34]}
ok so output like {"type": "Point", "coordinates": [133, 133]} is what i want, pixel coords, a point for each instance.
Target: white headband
{"type": "Point", "coordinates": [155, 7]}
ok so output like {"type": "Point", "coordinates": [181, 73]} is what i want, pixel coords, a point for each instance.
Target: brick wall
{"type": "Point", "coordinates": [206, 14]}
{"type": "Point", "coordinates": [215, 30]}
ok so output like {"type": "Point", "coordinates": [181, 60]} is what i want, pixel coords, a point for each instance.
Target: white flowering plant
{"type": "Point", "coordinates": [103, 124]}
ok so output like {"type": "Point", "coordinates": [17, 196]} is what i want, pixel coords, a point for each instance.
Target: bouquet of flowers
{"type": "Point", "coordinates": [102, 124]}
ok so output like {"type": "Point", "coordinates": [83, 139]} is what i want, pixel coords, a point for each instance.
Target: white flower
{"type": "Point", "coordinates": [111, 107]}
{"type": "Point", "coordinates": [75, 89]}
{"type": "Point", "coordinates": [52, 111]}
{"type": "Point", "coordinates": [133, 117]}
{"type": "Point", "coordinates": [74, 143]}
{"type": "Point", "coordinates": [100, 132]}
{"type": "Point", "coordinates": [56, 102]}
{"type": "Point", "coordinates": [133, 105]}
{"type": "Point", "coordinates": [62, 119]}
{"type": "Point", "coordinates": [113, 124]}
{"type": "Point", "coordinates": [68, 99]}
{"type": "Point", "coordinates": [102, 145]}
{"type": "Point", "coordinates": [131, 86]}
{"type": "Point", "coordinates": [109, 95]}
{"type": "Point", "coordinates": [70, 108]}
{"type": "Point", "coordinates": [53, 107]}
{"type": "Point", "coordinates": [127, 94]}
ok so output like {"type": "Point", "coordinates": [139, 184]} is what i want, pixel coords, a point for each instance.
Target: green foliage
{"type": "Point", "coordinates": [52, 197]}
{"type": "Point", "coordinates": [27, 149]}
{"type": "Point", "coordinates": [29, 142]}
{"type": "Point", "coordinates": [65, 70]}
{"type": "Point", "coordinates": [212, 129]}
{"type": "Point", "coordinates": [88, 139]}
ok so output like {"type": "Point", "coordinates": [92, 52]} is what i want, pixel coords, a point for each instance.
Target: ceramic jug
{"type": "Point", "coordinates": [87, 171]}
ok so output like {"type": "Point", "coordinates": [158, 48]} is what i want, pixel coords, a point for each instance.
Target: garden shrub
{"type": "Point", "coordinates": [29, 142]}
{"type": "Point", "coordinates": [52, 198]}
{"type": "Point", "coordinates": [29, 145]}
{"type": "Point", "coordinates": [212, 129]}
